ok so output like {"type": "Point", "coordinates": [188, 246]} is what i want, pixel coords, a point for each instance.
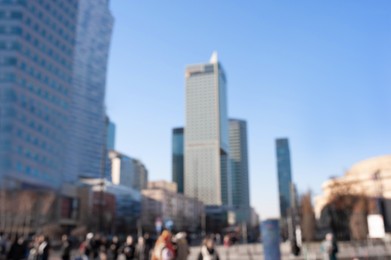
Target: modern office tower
{"type": "Point", "coordinates": [206, 133]}
{"type": "Point", "coordinates": [284, 175]}
{"type": "Point", "coordinates": [239, 169]}
{"type": "Point", "coordinates": [127, 171]}
{"type": "Point", "coordinates": [93, 35]}
{"type": "Point", "coordinates": [178, 169]}
{"type": "Point", "coordinates": [110, 134]}
{"type": "Point", "coordinates": [36, 67]}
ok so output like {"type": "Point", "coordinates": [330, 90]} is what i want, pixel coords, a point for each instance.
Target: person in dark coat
{"type": "Point", "coordinates": [18, 250]}
{"type": "Point", "coordinates": [128, 249]}
{"type": "Point", "coordinates": [43, 248]}
{"type": "Point", "coordinates": [65, 248]}
{"type": "Point", "coordinates": [142, 250]}
{"type": "Point", "coordinates": [114, 248]}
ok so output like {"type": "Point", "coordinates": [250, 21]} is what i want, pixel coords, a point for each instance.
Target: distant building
{"type": "Point", "coordinates": [370, 178]}
{"type": "Point", "coordinates": [126, 212]}
{"type": "Point", "coordinates": [128, 171]}
{"type": "Point", "coordinates": [284, 175]}
{"type": "Point", "coordinates": [110, 134]}
{"type": "Point", "coordinates": [206, 134]}
{"type": "Point", "coordinates": [178, 158]}
{"type": "Point", "coordinates": [239, 169]}
{"type": "Point", "coordinates": [162, 201]}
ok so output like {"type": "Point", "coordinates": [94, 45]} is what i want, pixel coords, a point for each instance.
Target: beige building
{"type": "Point", "coordinates": [371, 177]}
{"type": "Point", "coordinates": [162, 201]}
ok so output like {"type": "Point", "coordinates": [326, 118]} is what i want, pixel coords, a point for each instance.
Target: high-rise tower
{"type": "Point", "coordinates": [36, 68]}
{"type": "Point", "coordinates": [239, 169]}
{"type": "Point", "coordinates": [206, 133]}
{"type": "Point", "coordinates": [178, 158]}
{"type": "Point", "coordinates": [284, 175]}
{"type": "Point", "coordinates": [88, 140]}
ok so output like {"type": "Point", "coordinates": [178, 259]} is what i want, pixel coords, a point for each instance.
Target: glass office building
{"type": "Point", "coordinates": [206, 134]}
{"type": "Point", "coordinates": [36, 68]}
{"type": "Point", "coordinates": [239, 169]}
{"type": "Point", "coordinates": [88, 137]}
{"type": "Point", "coordinates": [284, 175]}
{"type": "Point", "coordinates": [178, 169]}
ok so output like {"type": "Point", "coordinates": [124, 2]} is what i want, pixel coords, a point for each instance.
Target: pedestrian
{"type": "Point", "coordinates": [43, 248]}
{"type": "Point", "coordinates": [227, 241]}
{"type": "Point", "coordinates": [65, 248]}
{"type": "Point", "coordinates": [114, 248]}
{"type": "Point", "coordinates": [164, 249]}
{"type": "Point", "coordinates": [329, 247]}
{"type": "Point", "coordinates": [208, 250]}
{"type": "Point", "coordinates": [128, 249]}
{"type": "Point", "coordinates": [18, 250]}
{"type": "Point", "coordinates": [182, 247]}
{"type": "Point", "coordinates": [142, 251]}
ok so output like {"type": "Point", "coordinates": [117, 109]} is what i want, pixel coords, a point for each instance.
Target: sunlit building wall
{"type": "Point", "coordinates": [206, 134]}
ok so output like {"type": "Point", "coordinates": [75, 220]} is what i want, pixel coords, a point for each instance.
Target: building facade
{"type": "Point", "coordinates": [162, 201]}
{"type": "Point", "coordinates": [88, 140]}
{"type": "Point", "coordinates": [128, 171]}
{"type": "Point", "coordinates": [36, 69]}
{"type": "Point", "coordinates": [178, 169]}
{"type": "Point", "coordinates": [370, 178]}
{"type": "Point", "coordinates": [284, 175]}
{"type": "Point", "coordinates": [206, 134]}
{"type": "Point", "coordinates": [239, 169]}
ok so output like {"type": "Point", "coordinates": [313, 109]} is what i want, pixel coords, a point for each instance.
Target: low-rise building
{"type": "Point", "coordinates": [370, 179]}
{"type": "Point", "coordinates": [162, 201]}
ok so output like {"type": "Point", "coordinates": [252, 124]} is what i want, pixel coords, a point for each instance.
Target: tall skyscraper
{"type": "Point", "coordinates": [239, 169]}
{"type": "Point", "coordinates": [178, 169]}
{"type": "Point", "coordinates": [93, 35]}
{"type": "Point", "coordinates": [284, 175]}
{"type": "Point", "coordinates": [206, 133]}
{"type": "Point", "coordinates": [36, 68]}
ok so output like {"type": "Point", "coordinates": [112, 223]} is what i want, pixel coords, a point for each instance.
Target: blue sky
{"type": "Point", "coordinates": [317, 72]}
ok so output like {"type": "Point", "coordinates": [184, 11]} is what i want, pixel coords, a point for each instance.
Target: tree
{"type": "Point", "coordinates": [307, 217]}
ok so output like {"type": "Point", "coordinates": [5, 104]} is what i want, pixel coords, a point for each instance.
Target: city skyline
{"type": "Point", "coordinates": [318, 77]}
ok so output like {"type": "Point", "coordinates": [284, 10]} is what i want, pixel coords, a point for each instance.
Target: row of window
{"type": "Point", "coordinates": [31, 171]}
{"type": "Point", "coordinates": [51, 52]}
{"type": "Point", "coordinates": [37, 142]}
{"type": "Point", "coordinates": [43, 78]}
{"type": "Point", "coordinates": [53, 36]}
{"type": "Point", "coordinates": [35, 157]}
{"type": "Point", "coordinates": [59, 14]}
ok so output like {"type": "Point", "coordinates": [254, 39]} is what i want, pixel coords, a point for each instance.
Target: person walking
{"type": "Point", "coordinates": [128, 249]}
{"type": "Point", "coordinates": [18, 250]}
{"type": "Point", "coordinates": [65, 248]}
{"type": "Point", "coordinates": [43, 248]}
{"type": "Point", "coordinates": [142, 250]}
{"type": "Point", "coordinates": [182, 247]}
{"type": "Point", "coordinates": [114, 248]}
{"type": "Point", "coordinates": [329, 247]}
{"type": "Point", "coordinates": [164, 249]}
{"type": "Point", "coordinates": [208, 251]}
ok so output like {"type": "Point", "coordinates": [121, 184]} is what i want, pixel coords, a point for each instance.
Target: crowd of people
{"type": "Point", "coordinates": [167, 246]}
